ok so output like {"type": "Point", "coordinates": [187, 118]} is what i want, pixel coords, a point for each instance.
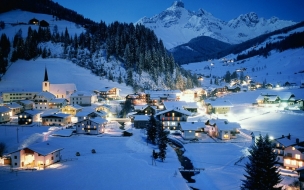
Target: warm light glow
{"type": "Point", "coordinates": [300, 164]}
{"type": "Point", "coordinates": [297, 156]}
{"type": "Point", "coordinates": [293, 148]}
{"type": "Point", "coordinates": [287, 161]}
{"type": "Point", "coordinates": [294, 162]}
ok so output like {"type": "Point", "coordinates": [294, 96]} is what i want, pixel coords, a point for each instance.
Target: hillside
{"type": "Point", "coordinates": [176, 25]}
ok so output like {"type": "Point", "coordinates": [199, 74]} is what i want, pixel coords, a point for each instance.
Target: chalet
{"type": "Point", "coordinates": [60, 119]}
{"type": "Point", "coordinates": [222, 129]}
{"type": "Point", "coordinates": [5, 114]}
{"type": "Point", "coordinates": [58, 90]}
{"type": "Point", "coordinates": [14, 96]}
{"type": "Point", "coordinates": [15, 108]}
{"type": "Point", "coordinates": [192, 130]}
{"type": "Point", "coordinates": [71, 109]}
{"type": "Point", "coordinates": [195, 94]}
{"type": "Point", "coordinates": [91, 126]}
{"type": "Point", "coordinates": [82, 115]}
{"type": "Point", "coordinates": [29, 116]}
{"type": "Point", "coordinates": [145, 110]}
{"type": "Point", "coordinates": [44, 23]}
{"type": "Point", "coordinates": [34, 21]}
{"type": "Point", "coordinates": [42, 100]}
{"type": "Point", "coordinates": [218, 106]}
{"type": "Point", "coordinates": [234, 88]}
{"type": "Point", "coordinates": [58, 103]}
{"type": "Point", "coordinates": [219, 90]}
{"type": "Point", "coordinates": [268, 99]}
{"type": "Point", "coordinates": [155, 97]}
{"type": "Point", "coordinates": [108, 93]}
{"type": "Point", "coordinates": [290, 151]}
{"type": "Point", "coordinates": [141, 121]}
{"type": "Point", "coordinates": [26, 104]}
{"type": "Point", "coordinates": [137, 98]}
{"type": "Point", "coordinates": [39, 155]}
{"type": "Point", "coordinates": [189, 106]}
{"type": "Point", "coordinates": [83, 98]}
{"type": "Point", "coordinates": [171, 118]}
{"type": "Point", "coordinates": [269, 86]}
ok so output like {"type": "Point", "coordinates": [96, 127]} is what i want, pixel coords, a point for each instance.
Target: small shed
{"type": "Point", "coordinates": [34, 21]}
{"type": "Point", "coordinates": [192, 130]}
{"type": "Point", "coordinates": [44, 23]}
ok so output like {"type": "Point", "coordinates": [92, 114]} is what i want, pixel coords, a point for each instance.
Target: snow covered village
{"type": "Point", "coordinates": [77, 113]}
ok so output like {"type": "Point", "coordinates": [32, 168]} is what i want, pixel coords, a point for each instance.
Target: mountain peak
{"type": "Point", "coordinates": [178, 4]}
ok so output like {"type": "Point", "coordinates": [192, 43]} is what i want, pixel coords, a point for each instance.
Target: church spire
{"type": "Point", "coordinates": [46, 78]}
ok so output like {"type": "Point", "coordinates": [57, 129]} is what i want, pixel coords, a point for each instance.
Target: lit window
{"type": "Point", "coordinates": [287, 161]}
{"type": "Point", "coordinates": [226, 136]}
{"type": "Point", "coordinates": [293, 148]}
{"type": "Point", "coordinates": [300, 164]}
{"type": "Point", "coordinates": [297, 156]}
{"type": "Point", "coordinates": [294, 162]}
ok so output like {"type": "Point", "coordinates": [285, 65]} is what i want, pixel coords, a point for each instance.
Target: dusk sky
{"type": "Point", "coordinates": [132, 10]}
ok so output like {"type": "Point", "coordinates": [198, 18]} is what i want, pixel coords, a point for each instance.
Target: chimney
{"type": "Point", "coordinates": [297, 140]}
{"type": "Point", "coordinates": [288, 136]}
{"type": "Point", "coordinates": [283, 136]}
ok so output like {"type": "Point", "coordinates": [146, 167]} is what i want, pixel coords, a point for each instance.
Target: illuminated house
{"type": "Point", "coordinates": [42, 100]}
{"type": "Point", "coordinates": [56, 119]}
{"type": "Point", "coordinates": [137, 98]}
{"type": "Point", "coordinates": [39, 155]}
{"type": "Point", "coordinates": [82, 115]}
{"type": "Point", "coordinates": [155, 97]}
{"type": "Point", "coordinates": [145, 110]}
{"type": "Point", "coordinates": [83, 98]}
{"type": "Point", "coordinates": [26, 104]}
{"type": "Point", "coordinates": [192, 130]}
{"type": "Point", "coordinates": [171, 118]}
{"type": "Point", "coordinates": [218, 106]}
{"type": "Point", "coordinates": [290, 151]}
{"type": "Point", "coordinates": [29, 116]}
{"type": "Point", "coordinates": [222, 129]}
{"type": "Point", "coordinates": [92, 126]}
{"type": "Point", "coordinates": [189, 106]}
{"type": "Point", "coordinates": [283, 99]}
{"type": "Point", "coordinates": [71, 109]}
{"type": "Point", "coordinates": [141, 121]}
{"type": "Point", "coordinates": [59, 90]}
{"type": "Point", "coordinates": [108, 93]}
{"type": "Point", "coordinates": [58, 103]}
{"type": "Point", "coordinates": [5, 114]}
{"type": "Point", "coordinates": [15, 108]}
{"type": "Point", "coordinates": [14, 96]}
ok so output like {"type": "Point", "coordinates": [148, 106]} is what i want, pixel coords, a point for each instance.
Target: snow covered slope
{"type": "Point", "coordinates": [18, 19]}
{"type": "Point", "coordinates": [177, 25]}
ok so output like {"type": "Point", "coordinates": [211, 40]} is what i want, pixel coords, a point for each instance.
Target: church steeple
{"type": "Point", "coordinates": [46, 78]}
{"type": "Point", "coordinates": [46, 83]}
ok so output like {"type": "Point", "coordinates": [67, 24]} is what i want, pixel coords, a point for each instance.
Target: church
{"type": "Point", "coordinates": [59, 90]}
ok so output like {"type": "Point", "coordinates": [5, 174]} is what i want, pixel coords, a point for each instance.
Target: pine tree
{"type": "Point", "coordinates": [261, 170]}
{"type": "Point", "coordinates": [162, 143]}
{"type": "Point", "coordinates": [152, 130]}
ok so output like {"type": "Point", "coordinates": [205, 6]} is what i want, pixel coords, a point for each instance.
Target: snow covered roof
{"type": "Point", "coordinates": [47, 95]}
{"type": "Point", "coordinates": [177, 109]}
{"type": "Point", "coordinates": [180, 104]}
{"type": "Point", "coordinates": [44, 148]}
{"type": "Point", "coordinates": [81, 93]}
{"type": "Point", "coordinates": [106, 89]}
{"type": "Point", "coordinates": [13, 105]}
{"type": "Point", "coordinates": [141, 117]}
{"type": "Point", "coordinates": [288, 140]}
{"type": "Point", "coordinates": [58, 115]}
{"type": "Point", "coordinates": [58, 100]}
{"type": "Point", "coordinates": [33, 112]}
{"type": "Point", "coordinates": [227, 125]}
{"type": "Point", "coordinates": [62, 88]}
{"type": "Point", "coordinates": [83, 113]}
{"type": "Point", "coordinates": [191, 125]}
{"type": "Point", "coordinates": [285, 95]}
{"type": "Point", "coordinates": [98, 120]}
{"type": "Point", "coordinates": [76, 106]}
{"type": "Point", "coordinates": [220, 103]}
{"type": "Point", "coordinates": [4, 109]}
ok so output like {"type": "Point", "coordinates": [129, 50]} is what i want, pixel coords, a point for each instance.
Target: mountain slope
{"type": "Point", "coordinates": [177, 25]}
{"type": "Point", "coordinates": [197, 49]}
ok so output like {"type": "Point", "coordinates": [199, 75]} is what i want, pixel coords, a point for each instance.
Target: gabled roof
{"type": "Point", "coordinates": [220, 103]}
{"type": "Point", "coordinates": [33, 112]}
{"type": "Point", "coordinates": [180, 104]}
{"type": "Point", "coordinates": [141, 108]}
{"type": "Point", "coordinates": [44, 148]}
{"type": "Point", "coordinates": [58, 100]}
{"type": "Point", "coordinates": [13, 105]}
{"type": "Point", "coordinates": [4, 109]}
{"type": "Point", "coordinates": [177, 109]}
{"type": "Point", "coordinates": [106, 89]}
{"type": "Point", "coordinates": [162, 92]}
{"type": "Point", "coordinates": [84, 113]}
{"type": "Point", "coordinates": [26, 102]}
{"type": "Point", "coordinates": [75, 106]}
{"type": "Point", "coordinates": [62, 88]}
{"type": "Point", "coordinates": [285, 95]}
{"type": "Point", "coordinates": [288, 140]}
{"type": "Point", "coordinates": [191, 125]}
{"type": "Point", "coordinates": [98, 120]}
{"type": "Point", "coordinates": [81, 93]}
{"type": "Point", "coordinates": [227, 125]}
{"type": "Point", "coordinates": [47, 95]}
{"type": "Point", "coordinates": [57, 115]}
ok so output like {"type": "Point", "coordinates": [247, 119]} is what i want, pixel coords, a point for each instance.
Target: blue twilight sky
{"type": "Point", "coordinates": [132, 10]}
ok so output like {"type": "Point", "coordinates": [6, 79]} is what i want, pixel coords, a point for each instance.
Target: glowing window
{"type": "Point", "coordinates": [297, 156]}
{"type": "Point", "coordinates": [294, 162]}
{"type": "Point", "coordinates": [287, 161]}
{"type": "Point", "coordinates": [300, 164]}
{"type": "Point", "coordinates": [293, 148]}
{"type": "Point", "coordinates": [226, 136]}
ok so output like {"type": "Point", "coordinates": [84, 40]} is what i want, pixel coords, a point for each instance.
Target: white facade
{"type": "Point", "coordinates": [83, 98]}
{"type": "Point", "coordinates": [92, 126]}
{"type": "Point", "coordinates": [293, 158]}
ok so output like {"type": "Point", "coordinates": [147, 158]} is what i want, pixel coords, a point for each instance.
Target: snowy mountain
{"type": "Point", "coordinates": [177, 25]}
